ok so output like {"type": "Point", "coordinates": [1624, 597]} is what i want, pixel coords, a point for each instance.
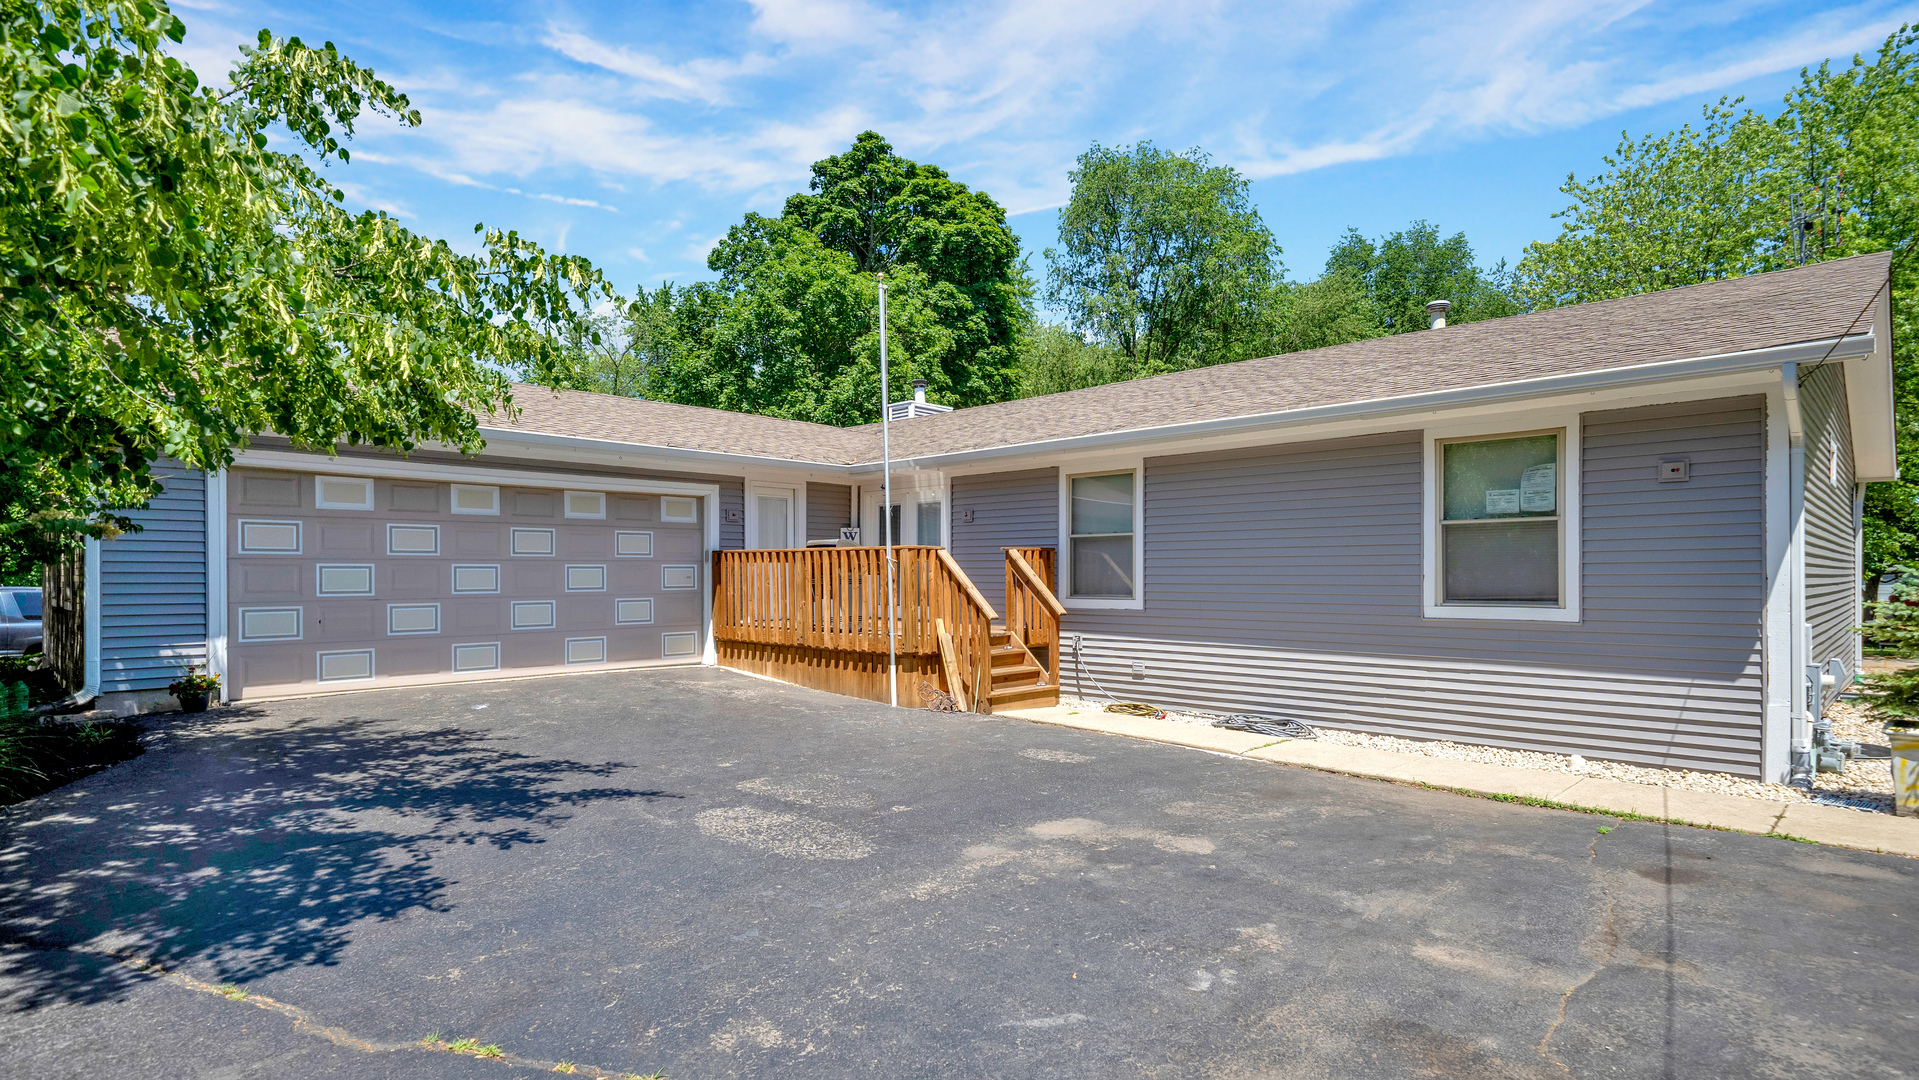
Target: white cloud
{"type": "Point", "coordinates": [700, 80]}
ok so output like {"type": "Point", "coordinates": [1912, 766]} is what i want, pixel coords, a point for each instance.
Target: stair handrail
{"type": "Point", "coordinates": [1032, 613]}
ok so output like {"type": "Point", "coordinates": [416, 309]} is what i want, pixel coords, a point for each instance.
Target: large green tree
{"type": "Point", "coordinates": [790, 327]}
{"type": "Point", "coordinates": [1403, 271]}
{"type": "Point", "coordinates": [1714, 202]}
{"type": "Point", "coordinates": [1163, 258]}
{"type": "Point", "coordinates": [171, 284]}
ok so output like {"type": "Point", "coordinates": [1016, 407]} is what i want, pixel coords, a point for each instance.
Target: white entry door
{"type": "Point", "coordinates": [773, 517]}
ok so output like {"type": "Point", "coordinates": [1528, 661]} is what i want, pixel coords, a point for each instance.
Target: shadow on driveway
{"type": "Point", "coordinates": [284, 835]}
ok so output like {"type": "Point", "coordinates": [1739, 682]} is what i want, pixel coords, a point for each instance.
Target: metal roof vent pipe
{"type": "Point", "coordinates": [919, 391]}
{"type": "Point", "coordinates": [1436, 313]}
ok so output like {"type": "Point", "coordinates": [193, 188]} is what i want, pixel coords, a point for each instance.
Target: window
{"type": "Point", "coordinates": [342, 493]}
{"type": "Point", "coordinates": [679, 577]}
{"type": "Point", "coordinates": [343, 580]}
{"type": "Point", "coordinates": [270, 624]}
{"type": "Point", "coordinates": [677, 646]}
{"type": "Point", "coordinates": [269, 538]}
{"type": "Point", "coordinates": [412, 539]}
{"type": "Point", "coordinates": [633, 612]}
{"type": "Point", "coordinates": [475, 499]}
{"type": "Point", "coordinates": [533, 614]}
{"type": "Point", "coordinates": [532, 541]}
{"type": "Point", "coordinates": [28, 603]}
{"type": "Point", "coordinates": [633, 545]}
{"type": "Point", "coordinates": [482, 656]}
{"type": "Point", "coordinates": [1101, 536]}
{"type": "Point", "coordinates": [413, 618]}
{"type": "Point", "coordinates": [928, 524]}
{"type": "Point", "coordinates": [1501, 529]}
{"type": "Point", "coordinates": [586, 650]}
{"type": "Point", "coordinates": [476, 579]}
{"type": "Point", "coordinates": [586, 579]}
{"type": "Point", "coordinates": [679, 508]}
{"type": "Point", "coordinates": [353, 666]}
{"type": "Point", "coordinates": [585, 504]}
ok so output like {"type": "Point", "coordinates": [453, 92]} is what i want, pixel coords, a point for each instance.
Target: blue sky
{"type": "Point", "coordinates": [636, 133]}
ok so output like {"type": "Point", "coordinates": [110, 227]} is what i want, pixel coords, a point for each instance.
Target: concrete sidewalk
{"type": "Point", "coordinates": [1800, 821]}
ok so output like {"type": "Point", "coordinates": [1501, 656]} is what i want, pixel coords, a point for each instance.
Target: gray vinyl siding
{"type": "Point", "coordinates": [828, 508]}
{"type": "Point", "coordinates": [153, 588]}
{"type": "Point", "coordinates": [1010, 509]}
{"type": "Point", "coordinates": [1287, 580]}
{"type": "Point", "coordinates": [1832, 539]}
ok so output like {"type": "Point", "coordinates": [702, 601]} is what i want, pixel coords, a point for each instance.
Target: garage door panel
{"type": "Point", "coordinates": [342, 620]}
{"type": "Point", "coordinates": [440, 633]}
{"type": "Point", "coordinates": [477, 540]}
{"type": "Point", "coordinates": [545, 504]}
{"type": "Point", "coordinates": [476, 616]}
{"type": "Point", "coordinates": [269, 580]}
{"type": "Point", "coordinates": [416, 578]}
{"type": "Point", "coordinates": [354, 539]}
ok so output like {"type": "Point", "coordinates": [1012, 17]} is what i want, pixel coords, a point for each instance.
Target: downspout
{"type": "Point", "coordinates": [90, 603]}
{"type": "Point", "coordinates": [1800, 762]}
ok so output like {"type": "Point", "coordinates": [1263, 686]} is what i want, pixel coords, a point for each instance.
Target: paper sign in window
{"type": "Point", "coordinates": [1502, 501]}
{"type": "Point", "coordinates": [1539, 489]}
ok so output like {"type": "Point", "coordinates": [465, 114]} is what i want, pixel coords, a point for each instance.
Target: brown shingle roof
{"type": "Point", "coordinates": [1786, 307]}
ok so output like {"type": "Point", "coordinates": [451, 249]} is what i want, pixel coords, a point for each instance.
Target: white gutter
{"type": "Point", "coordinates": [714, 457]}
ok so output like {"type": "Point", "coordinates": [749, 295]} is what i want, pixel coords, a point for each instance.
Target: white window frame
{"type": "Point", "coordinates": [623, 534]}
{"type": "Point", "coordinates": [319, 485]}
{"type": "Point", "coordinates": [320, 659]}
{"type": "Point", "coordinates": [299, 617]}
{"type": "Point", "coordinates": [647, 600]}
{"type": "Point", "coordinates": [513, 606]}
{"type": "Point", "coordinates": [694, 570]}
{"type": "Point", "coordinates": [319, 579]}
{"type": "Point", "coordinates": [392, 525]}
{"type": "Point", "coordinates": [454, 656]}
{"type": "Point", "coordinates": [1102, 467]}
{"type": "Point", "coordinates": [552, 549]}
{"type": "Point", "coordinates": [686, 519]}
{"type": "Point", "coordinates": [416, 606]}
{"type": "Point", "coordinates": [453, 500]}
{"type": "Point", "coordinates": [566, 504]}
{"type": "Point", "coordinates": [1563, 422]}
{"type": "Point", "coordinates": [299, 538]}
{"type": "Point", "coordinates": [566, 652]}
{"type": "Point", "coordinates": [693, 645]}
{"type": "Point", "coordinates": [453, 582]}
{"type": "Point", "coordinates": [566, 577]}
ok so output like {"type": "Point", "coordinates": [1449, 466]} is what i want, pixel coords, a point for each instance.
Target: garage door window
{"type": "Point", "coordinates": [585, 504]}
{"type": "Point", "coordinates": [533, 615]}
{"type": "Point", "coordinates": [342, 493]}
{"type": "Point", "coordinates": [413, 618]}
{"type": "Point", "coordinates": [591, 650]}
{"type": "Point", "coordinates": [412, 539]}
{"type": "Point", "coordinates": [474, 499]}
{"type": "Point", "coordinates": [269, 538]}
{"type": "Point", "coordinates": [344, 580]}
{"type": "Point", "coordinates": [484, 656]}
{"type": "Point", "coordinates": [346, 666]}
{"type": "Point", "coordinates": [680, 509]}
{"type": "Point", "coordinates": [586, 579]}
{"type": "Point", "coordinates": [633, 545]}
{"type": "Point", "coordinates": [476, 579]}
{"type": "Point", "coordinates": [636, 612]}
{"type": "Point", "coordinates": [270, 624]}
{"type": "Point", "coordinates": [533, 542]}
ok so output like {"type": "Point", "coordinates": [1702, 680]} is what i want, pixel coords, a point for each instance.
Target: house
{"type": "Point", "coordinates": [1627, 529]}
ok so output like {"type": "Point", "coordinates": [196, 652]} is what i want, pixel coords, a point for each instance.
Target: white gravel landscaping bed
{"type": "Point", "coordinates": [1865, 785]}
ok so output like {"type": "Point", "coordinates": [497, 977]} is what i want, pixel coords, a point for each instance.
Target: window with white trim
{"type": "Point", "coordinates": [1501, 521]}
{"type": "Point", "coordinates": [342, 493]}
{"type": "Point", "coordinates": [1101, 510]}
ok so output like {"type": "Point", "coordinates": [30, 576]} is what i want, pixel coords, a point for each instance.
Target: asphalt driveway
{"type": "Point", "coordinates": [700, 874]}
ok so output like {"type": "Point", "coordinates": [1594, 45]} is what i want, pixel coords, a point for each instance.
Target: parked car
{"type": "Point", "coordinates": [20, 620]}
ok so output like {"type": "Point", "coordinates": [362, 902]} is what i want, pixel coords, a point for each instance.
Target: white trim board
{"type": "Point", "coordinates": [299, 461]}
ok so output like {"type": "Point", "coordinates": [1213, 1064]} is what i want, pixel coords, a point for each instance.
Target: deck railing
{"type": "Point", "coordinates": [817, 617]}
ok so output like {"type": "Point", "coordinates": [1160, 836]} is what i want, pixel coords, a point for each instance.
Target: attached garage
{"type": "Point", "coordinates": [338, 581]}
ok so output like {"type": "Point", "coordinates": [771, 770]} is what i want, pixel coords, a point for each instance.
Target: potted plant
{"type": "Point", "coordinates": [193, 689]}
{"type": "Point", "coordinates": [1893, 697]}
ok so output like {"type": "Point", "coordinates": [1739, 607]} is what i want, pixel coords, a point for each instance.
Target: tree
{"type": "Point", "coordinates": [170, 286]}
{"type": "Point", "coordinates": [1333, 310]}
{"type": "Point", "coordinates": [1402, 272]}
{"type": "Point", "coordinates": [1163, 258]}
{"type": "Point", "coordinates": [619, 351]}
{"type": "Point", "coordinates": [1700, 205]}
{"type": "Point", "coordinates": [1054, 359]}
{"type": "Point", "coordinates": [790, 328]}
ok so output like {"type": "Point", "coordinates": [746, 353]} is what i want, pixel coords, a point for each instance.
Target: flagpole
{"type": "Point", "coordinates": [886, 510]}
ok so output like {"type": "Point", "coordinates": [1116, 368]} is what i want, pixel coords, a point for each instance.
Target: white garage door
{"type": "Point", "coordinates": [346, 582]}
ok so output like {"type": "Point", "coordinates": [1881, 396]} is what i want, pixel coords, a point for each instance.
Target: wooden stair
{"type": "Point", "coordinates": [1017, 682]}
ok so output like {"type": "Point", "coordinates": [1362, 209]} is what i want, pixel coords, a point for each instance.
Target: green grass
{"type": "Point", "coordinates": [472, 1046]}
{"type": "Point", "coordinates": [232, 992]}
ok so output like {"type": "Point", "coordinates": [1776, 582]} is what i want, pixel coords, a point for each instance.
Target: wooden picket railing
{"type": "Point", "coordinates": [817, 617]}
{"type": "Point", "coordinates": [1032, 610]}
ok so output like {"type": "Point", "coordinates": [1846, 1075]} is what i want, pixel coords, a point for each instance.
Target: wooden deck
{"type": "Point", "coordinates": [817, 617]}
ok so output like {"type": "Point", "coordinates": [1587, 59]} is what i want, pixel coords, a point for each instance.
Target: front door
{"type": "Point", "coordinates": [773, 517]}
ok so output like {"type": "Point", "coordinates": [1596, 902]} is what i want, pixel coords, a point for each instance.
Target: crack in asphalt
{"type": "Point", "coordinates": [1608, 933]}
{"type": "Point", "coordinates": [304, 1021]}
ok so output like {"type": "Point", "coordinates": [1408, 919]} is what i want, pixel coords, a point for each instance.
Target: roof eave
{"type": "Point", "coordinates": [1851, 348]}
